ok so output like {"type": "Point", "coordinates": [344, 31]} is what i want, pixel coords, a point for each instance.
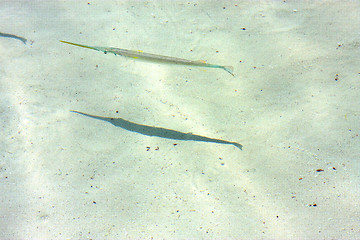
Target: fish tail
{"type": "Point", "coordinates": [229, 69]}
{"type": "Point", "coordinates": [238, 145]}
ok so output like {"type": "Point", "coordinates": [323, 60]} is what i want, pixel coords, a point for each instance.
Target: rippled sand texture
{"type": "Point", "coordinates": [170, 165]}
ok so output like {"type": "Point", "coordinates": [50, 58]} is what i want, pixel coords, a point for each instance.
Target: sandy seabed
{"type": "Point", "coordinates": [293, 105]}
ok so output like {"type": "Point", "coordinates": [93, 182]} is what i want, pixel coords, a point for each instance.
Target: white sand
{"type": "Point", "coordinates": [293, 104]}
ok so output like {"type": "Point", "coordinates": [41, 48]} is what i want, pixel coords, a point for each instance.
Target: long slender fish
{"type": "Point", "coordinates": [153, 57]}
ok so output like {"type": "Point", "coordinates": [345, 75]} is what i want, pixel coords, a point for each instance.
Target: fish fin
{"type": "Point", "coordinates": [238, 145]}
{"type": "Point", "coordinates": [229, 69]}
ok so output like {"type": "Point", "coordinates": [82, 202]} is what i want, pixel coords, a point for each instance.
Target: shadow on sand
{"type": "Point", "coordinates": [158, 132]}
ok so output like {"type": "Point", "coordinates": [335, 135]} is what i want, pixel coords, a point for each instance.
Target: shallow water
{"type": "Point", "coordinates": [292, 105]}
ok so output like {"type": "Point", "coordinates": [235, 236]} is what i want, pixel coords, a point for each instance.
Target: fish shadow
{"type": "Point", "coordinates": [157, 131]}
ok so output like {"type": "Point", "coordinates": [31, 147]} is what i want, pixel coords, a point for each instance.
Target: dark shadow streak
{"type": "Point", "coordinates": [159, 132]}
{"type": "Point", "coordinates": [13, 36]}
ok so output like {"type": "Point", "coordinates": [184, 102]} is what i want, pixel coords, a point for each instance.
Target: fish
{"type": "Point", "coordinates": [24, 40]}
{"type": "Point", "coordinates": [153, 57]}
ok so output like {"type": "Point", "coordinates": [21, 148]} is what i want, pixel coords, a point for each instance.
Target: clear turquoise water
{"type": "Point", "coordinates": [292, 104]}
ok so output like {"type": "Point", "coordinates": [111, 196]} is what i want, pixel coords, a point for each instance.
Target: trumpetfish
{"type": "Point", "coordinates": [153, 57]}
